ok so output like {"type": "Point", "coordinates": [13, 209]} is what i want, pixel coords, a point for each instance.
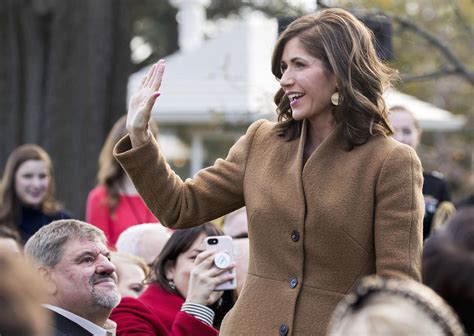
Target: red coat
{"type": "Point", "coordinates": [131, 210]}
{"type": "Point", "coordinates": [157, 312]}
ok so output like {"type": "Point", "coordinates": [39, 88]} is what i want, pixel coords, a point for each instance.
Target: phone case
{"type": "Point", "coordinates": [223, 244]}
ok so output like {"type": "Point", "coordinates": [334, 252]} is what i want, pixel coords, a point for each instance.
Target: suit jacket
{"type": "Point", "coordinates": [156, 313]}
{"type": "Point", "coordinates": [62, 326]}
{"type": "Point", "coordinates": [314, 229]}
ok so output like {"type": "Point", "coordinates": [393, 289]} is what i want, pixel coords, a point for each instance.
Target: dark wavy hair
{"type": "Point", "coordinates": [180, 242]}
{"type": "Point", "coordinates": [448, 264]}
{"type": "Point", "coordinates": [345, 47]}
{"type": "Point", "coordinates": [10, 204]}
{"type": "Point", "coordinates": [110, 171]}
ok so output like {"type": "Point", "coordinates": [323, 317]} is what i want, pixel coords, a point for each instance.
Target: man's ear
{"type": "Point", "coordinates": [46, 274]}
{"type": "Point", "coordinates": [169, 270]}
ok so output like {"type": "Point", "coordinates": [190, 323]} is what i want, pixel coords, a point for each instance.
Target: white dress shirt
{"type": "Point", "coordinates": [86, 324]}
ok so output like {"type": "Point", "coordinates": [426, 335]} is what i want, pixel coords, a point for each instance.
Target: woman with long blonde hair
{"type": "Point", "coordinates": [114, 204]}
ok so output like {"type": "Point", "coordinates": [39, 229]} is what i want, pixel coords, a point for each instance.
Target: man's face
{"type": "Point", "coordinates": [84, 278]}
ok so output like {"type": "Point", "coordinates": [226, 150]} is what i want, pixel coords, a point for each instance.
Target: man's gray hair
{"type": "Point", "coordinates": [45, 247]}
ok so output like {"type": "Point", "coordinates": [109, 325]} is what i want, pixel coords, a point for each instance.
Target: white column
{"type": "Point", "coordinates": [191, 18]}
{"type": "Point", "coordinates": [197, 153]}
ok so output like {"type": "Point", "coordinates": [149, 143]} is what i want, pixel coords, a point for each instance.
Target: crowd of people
{"type": "Point", "coordinates": [336, 227]}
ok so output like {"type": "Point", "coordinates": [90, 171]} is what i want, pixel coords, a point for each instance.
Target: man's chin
{"type": "Point", "coordinates": [107, 300]}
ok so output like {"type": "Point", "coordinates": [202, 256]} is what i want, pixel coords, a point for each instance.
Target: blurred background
{"type": "Point", "coordinates": [68, 67]}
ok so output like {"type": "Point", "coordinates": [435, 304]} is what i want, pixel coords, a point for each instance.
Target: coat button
{"type": "Point", "coordinates": [283, 330]}
{"type": "Point", "coordinates": [295, 236]}
{"type": "Point", "coordinates": [293, 282]}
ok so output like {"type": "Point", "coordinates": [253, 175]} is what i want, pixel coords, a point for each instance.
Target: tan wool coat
{"type": "Point", "coordinates": [314, 230]}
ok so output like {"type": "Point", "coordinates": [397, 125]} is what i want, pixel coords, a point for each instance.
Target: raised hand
{"type": "Point", "coordinates": [141, 104]}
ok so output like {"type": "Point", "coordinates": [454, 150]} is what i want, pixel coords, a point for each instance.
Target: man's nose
{"type": "Point", "coordinates": [105, 265]}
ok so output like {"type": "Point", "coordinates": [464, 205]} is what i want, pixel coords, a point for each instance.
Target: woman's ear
{"type": "Point", "coordinates": [169, 270]}
{"type": "Point", "coordinates": [47, 276]}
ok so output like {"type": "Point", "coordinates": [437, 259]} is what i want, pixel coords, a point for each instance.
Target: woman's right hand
{"type": "Point", "coordinates": [205, 276]}
{"type": "Point", "coordinates": [141, 104]}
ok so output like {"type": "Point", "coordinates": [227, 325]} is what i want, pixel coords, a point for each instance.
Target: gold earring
{"type": "Point", "coordinates": [335, 98]}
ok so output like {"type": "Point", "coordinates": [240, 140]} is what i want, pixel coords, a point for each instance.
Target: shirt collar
{"type": "Point", "coordinates": [86, 324]}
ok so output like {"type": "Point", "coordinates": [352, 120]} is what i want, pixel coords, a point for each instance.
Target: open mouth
{"type": "Point", "coordinates": [295, 98]}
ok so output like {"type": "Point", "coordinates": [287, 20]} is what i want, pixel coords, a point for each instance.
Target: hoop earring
{"type": "Point", "coordinates": [335, 99]}
{"type": "Point", "coordinates": [371, 127]}
{"type": "Point", "coordinates": [171, 284]}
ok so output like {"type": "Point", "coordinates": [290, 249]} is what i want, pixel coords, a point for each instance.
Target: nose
{"type": "Point", "coordinates": [286, 79]}
{"type": "Point", "coordinates": [36, 182]}
{"type": "Point", "coordinates": [105, 265]}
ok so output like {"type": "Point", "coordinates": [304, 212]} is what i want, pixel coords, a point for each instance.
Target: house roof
{"type": "Point", "coordinates": [228, 77]}
{"type": "Point", "coordinates": [430, 117]}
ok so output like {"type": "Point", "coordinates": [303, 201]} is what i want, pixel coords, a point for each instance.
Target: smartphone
{"type": "Point", "coordinates": [224, 256]}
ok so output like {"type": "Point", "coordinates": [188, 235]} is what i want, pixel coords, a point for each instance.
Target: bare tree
{"type": "Point", "coordinates": [63, 77]}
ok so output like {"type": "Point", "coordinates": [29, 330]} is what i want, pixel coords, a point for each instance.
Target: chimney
{"type": "Point", "coordinates": [191, 18]}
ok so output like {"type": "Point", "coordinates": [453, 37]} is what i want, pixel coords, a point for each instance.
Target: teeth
{"type": "Point", "coordinates": [294, 96]}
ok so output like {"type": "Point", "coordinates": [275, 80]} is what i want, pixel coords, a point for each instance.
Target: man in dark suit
{"type": "Point", "coordinates": [72, 257]}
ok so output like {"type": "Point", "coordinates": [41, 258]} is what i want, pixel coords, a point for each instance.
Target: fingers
{"type": "Point", "coordinates": [154, 76]}
{"type": "Point", "coordinates": [158, 75]}
{"type": "Point", "coordinates": [150, 102]}
{"type": "Point", "coordinates": [142, 82]}
{"type": "Point", "coordinates": [205, 255]}
{"type": "Point", "coordinates": [149, 75]}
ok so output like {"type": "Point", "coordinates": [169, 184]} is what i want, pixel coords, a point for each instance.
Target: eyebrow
{"type": "Point", "coordinates": [92, 253]}
{"type": "Point", "coordinates": [295, 59]}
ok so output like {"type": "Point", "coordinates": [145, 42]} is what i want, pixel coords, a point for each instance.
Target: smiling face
{"type": "Point", "coordinates": [84, 280]}
{"type": "Point", "coordinates": [306, 83]}
{"type": "Point", "coordinates": [406, 130]}
{"type": "Point", "coordinates": [32, 180]}
{"type": "Point", "coordinates": [180, 272]}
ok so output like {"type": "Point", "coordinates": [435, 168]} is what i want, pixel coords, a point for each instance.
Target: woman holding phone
{"type": "Point", "coordinates": [330, 197]}
{"type": "Point", "coordinates": [181, 298]}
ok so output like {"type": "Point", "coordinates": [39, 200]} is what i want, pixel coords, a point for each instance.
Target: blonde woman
{"type": "Point", "coordinates": [114, 204]}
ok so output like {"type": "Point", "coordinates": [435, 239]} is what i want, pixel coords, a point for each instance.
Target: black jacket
{"type": "Point", "coordinates": [62, 326]}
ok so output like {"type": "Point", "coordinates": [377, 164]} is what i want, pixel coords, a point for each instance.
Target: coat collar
{"type": "Point", "coordinates": [334, 141]}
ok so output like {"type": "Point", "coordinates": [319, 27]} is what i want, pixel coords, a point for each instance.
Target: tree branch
{"type": "Point", "coordinates": [458, 66]}
{"type": "Point", "coordinates": [464, 25]}
{"type": "Point", "coordinates": [429, 75]}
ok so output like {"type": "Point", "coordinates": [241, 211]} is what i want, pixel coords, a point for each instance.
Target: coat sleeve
{"type": "Point", "coordinates": [399, 210]}
{"type": "Point", "coordinates": [212, 192]}
{"type": "Point", "coordinates": [134, 318]}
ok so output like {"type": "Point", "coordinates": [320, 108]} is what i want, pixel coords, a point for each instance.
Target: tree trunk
{"type": "Point", "coordinates": [63, 77]}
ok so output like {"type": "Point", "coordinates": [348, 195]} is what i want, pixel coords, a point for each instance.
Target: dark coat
{"type": "Point", "coordinates": [62, 326]}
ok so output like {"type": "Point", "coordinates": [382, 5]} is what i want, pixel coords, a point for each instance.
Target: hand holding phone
{"type": "Point", "coordinates": [223, 257]}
